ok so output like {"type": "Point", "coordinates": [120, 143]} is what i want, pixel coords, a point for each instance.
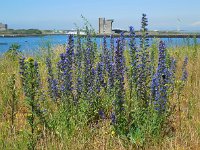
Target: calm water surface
{"type": "Point", "coordinates": [31, 44]}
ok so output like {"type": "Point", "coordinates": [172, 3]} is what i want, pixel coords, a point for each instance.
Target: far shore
{"type": "Point", "coordinates": [158, 35]}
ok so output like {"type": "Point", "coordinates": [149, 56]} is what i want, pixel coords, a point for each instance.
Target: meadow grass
{"type": "Point", "coordinates": [184, 120]}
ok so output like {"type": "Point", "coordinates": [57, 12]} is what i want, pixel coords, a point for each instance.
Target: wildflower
{"type": "Point", "coordinates": [101, 114]}
{"type": "Point", "coordinates": [29, 115]}
{"type": "Point", "coordinates": [88, 69]}
{"type": "Point", "coordinates": [65, 67]}
{"type": "Point", "coordinates": [113, 118]}
{"type": "Point", "coordinates": [37, 75]}
{"type": "Point", "coordinates": [144, 30]}
{"type": "Point", "coordinates": [123, 41]}
{"type": "Point", "coordinates": [112, 48]}
{"type": "Point", "coordinates": [119, 62]}
{"type": "Point", "coordinates": [22, 69]}
{"type": "Point", "coordinates": [143, 66]}
{"type": "Point", "coordinates": [100, 79]}
{"type": "Point", "coordinates": [144, 41]}
{"type": "Point", "coordinates": [49, 67]}
{"type": "Point", "coordinates": [160, 81]}
{"type": "Point", "coordinates": [52, 83]}
{"type": "Point", "coordinates": [134, 59]}
{"type": "Point", "coordinates": [61, 67]}
{"type": "Point", "coordinates": [30, 59]}
{"type": "Point", "coordinates": [171, 75]}
{"type": "Point", "coordinates": [184, 70]}
{"type": "Point", "coordinates": [39, 128]}
{"type": "Point", "coordinates": [54, 88]}
{"type": "Point", "coordinates": [113, 133]}
{"type": "Point", "coordinates": [78, 59]}
{"type": "Point", "coordinates": [106, 58]}
{"type": "Point", "coordinates": [109, 62]}
{"type": "Point", "coordinates": [111, 74]}
{"type": "Point", "coordinates": [119, 81]}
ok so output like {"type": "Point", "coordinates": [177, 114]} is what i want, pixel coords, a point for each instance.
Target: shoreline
{"type": "Point", "coordinates": [102, 35]}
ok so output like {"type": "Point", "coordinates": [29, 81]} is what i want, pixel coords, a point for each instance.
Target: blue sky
{"type": "Point", "coordinates": [62, 14]}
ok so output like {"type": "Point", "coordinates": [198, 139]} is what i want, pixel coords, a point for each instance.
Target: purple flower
{"type": "Point", "coordinates": [88, 63]}
{"type": "Point", "coordinates": [171, 75]}
{"type": "Point", "coordinates": [22, 69]}
{"type": "Point", "coordinates": [184, 70]}
{"type": "Point", "coordinates": [119, 80]}
{"type": "Point", "coordinates": [100, 78]}
{"type": "Point", "coordinates": [106, 58]}
{"type": "Point", "coordinates": [111, 75]}
{"type": "Point", "coordinates": [54, 89]}
{"type": "Point", "coordinates": [143, 65]}
{"type": "Point", "coordinates": [37, 75]}
{"type": "Point", "coordinates": [159, 86]}
{"type": "Point", "coordinates": [133, 61]}
{"type": "Point", "coordinates": [102, 114]}
{"type": "Point", "coordinates": [52, 83]}
{"type": "Point", "coordinates": [79, 67]}
{"type": "Point", "coordinates": [112, 48]}
{"type": "Point", "coordinates": [119, 62]}
{"type": "Point", "coordinates": [113, 118]}
{"type": "Point", "coordinates": [65, 67]}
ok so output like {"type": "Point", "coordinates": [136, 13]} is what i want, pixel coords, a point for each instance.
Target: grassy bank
{"type": "Point", "coordinates": [184, 121]}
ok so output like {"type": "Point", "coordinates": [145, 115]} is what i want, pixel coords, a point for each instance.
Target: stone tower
{"type": "Point", "coordinates": [105, 26]}
{"type": "Point", "coordinates": [3, 27]}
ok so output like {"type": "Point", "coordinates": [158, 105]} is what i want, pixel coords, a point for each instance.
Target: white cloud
{"type": "Point", "coordinates": [197, 23]}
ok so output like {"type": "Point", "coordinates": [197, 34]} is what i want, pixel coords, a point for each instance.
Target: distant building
{"type": "Point", "coordinates": [105, 26]}
{"type": "Point", "coordinates": [3, 27]}
{"type": "Point", "coordinates": [75, 32]}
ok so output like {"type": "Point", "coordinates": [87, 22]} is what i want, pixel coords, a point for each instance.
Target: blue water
{"type": "Point", "coordinates": [31, 44]}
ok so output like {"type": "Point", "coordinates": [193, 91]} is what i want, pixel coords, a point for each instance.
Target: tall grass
{"type": "Point", "coordinates": [78, 97]}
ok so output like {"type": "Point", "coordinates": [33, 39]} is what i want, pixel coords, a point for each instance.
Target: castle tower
{"type": "Point", "coordinates": [101, 25]}
{"type": "Point", "coordinates": [105, 26]}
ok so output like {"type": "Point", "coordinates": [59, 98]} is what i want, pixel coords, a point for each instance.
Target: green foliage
{"type": "Point", "coordinates": [13, 52]}
{"type": "Point", "coordinates": [23, 31]}
{"type": "Point", "coordinates": [13, 101]}
{"type": "Point", "coordinates": [88, 27]}
{"type": "Point", "coordinates": [137, 126]}
{"type": "Point", "coordinates": [31, 84]}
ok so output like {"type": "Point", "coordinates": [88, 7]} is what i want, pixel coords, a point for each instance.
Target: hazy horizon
{"type": "Point", "coordinates": [51, 14]}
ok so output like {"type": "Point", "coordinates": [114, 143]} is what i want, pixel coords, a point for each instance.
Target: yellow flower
{"type": "Point", "coordinates": [30, 59]}
{"type": "Point", "coordinates": [39, 128]}
{"type": "Point", "coordinates": [29, 115]}
{"type": "Point", "coordinates": [178, 83]}
{"type": "Point", "coordinates": [17, 115]}
{"type": "Point", "coordinates": [113, 133]}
